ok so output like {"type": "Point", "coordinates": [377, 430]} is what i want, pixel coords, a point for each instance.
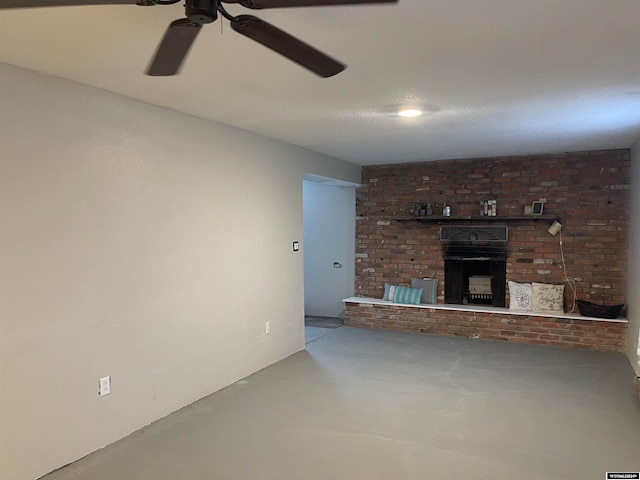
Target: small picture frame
{"type": "Point", "coordinates": [537, 208]}
{"type": "Point", "coordinates": [528, 210]}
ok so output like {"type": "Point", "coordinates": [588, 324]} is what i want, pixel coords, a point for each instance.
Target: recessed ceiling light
{"type": "Point", "coordinates": [409, 112]}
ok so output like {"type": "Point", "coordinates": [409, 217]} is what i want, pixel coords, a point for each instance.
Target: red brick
{"type": "Point", "coordinates": [585, 334]}
{"type": "Point", "coordinates": [594, 236]}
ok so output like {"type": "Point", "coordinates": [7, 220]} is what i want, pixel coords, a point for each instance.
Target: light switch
{"type": "Point", "coordinates": [296, 246]}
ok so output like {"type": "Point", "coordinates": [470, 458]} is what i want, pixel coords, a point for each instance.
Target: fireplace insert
{"type": "Point", "coordinates": [475, 265]}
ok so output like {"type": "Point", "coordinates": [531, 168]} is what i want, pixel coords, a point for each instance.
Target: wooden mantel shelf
{"type": "Point", "coordinates": [476, 218]}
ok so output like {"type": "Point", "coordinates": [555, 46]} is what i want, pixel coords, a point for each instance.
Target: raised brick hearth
{"type": "Point", "coordinates": [589, 334]}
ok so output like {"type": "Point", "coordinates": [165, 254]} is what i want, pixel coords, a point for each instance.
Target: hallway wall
{"type": "Point", "coordinates": [139, 243]}
{"type": "Point", "coordinates": [329, 236]}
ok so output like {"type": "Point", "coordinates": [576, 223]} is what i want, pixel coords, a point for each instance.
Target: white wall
{"type": "Point", "coordinates": [139, 243]}
{"type": "Point", "coordinates": [633, 288]}
{"type": "Point", "coordinates": [329, 236]}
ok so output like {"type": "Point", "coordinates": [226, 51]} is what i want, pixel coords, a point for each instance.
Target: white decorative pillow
{"type": "Point", "coordinates": [520, 296]}
{"type": "Point", "coordinates": [547, 298]}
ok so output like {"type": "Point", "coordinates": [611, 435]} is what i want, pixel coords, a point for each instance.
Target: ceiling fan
{"type": "Point", "coordinates": [181, 33]}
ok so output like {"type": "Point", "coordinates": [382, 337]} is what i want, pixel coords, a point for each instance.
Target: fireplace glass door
{"type": "Point", "coordinates": [473, 281]}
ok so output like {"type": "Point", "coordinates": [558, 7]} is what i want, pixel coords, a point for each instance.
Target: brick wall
{"type": "Point", "coordinates": [589, 191]}
{"type": "Point", "coordinates": [558, 332]}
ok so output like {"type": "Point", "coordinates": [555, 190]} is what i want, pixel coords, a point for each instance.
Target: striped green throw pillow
{"type": "Point", "coordinates": [410, 296]}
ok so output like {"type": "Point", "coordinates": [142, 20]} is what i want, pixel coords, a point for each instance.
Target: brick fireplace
{"type": "Point", "coordinates": [589, 191]}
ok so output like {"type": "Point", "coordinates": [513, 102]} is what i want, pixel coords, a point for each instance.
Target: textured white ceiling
{"type": "Point", "coordinates": [503, 77]}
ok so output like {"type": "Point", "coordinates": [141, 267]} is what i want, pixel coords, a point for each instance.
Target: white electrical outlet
{"type": "Point", "coordinates": [267, 327]}
{"type": "Point", "coordinates": [104, 386]}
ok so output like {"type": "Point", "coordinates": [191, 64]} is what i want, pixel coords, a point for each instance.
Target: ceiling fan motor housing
{"type": "Point", "coordinates": [201, 11]}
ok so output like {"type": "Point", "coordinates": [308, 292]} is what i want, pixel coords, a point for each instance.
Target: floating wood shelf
{"type": "Point", "coordinates": [476, 218]}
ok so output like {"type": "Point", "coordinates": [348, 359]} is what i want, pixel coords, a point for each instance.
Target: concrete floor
{"type": "Point", "coordinates": [311, 334]}
{"type": "Point", "coordinates": [317, 327]}
{"type": "Point", "coordinates": [365, 405]}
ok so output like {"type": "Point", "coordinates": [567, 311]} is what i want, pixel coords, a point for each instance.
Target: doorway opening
{"type": "Point", "coordinates": [329, 252]}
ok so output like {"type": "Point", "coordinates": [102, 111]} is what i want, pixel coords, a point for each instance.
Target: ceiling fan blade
{"type": "Point", "coordinates": [173, 48]}
{"type": "Point", "coordinates": [64, 3]}
{"type": "Point", "coordinates": [281, 42]}
{"type": "Point", "coordinates": [259, 4]}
